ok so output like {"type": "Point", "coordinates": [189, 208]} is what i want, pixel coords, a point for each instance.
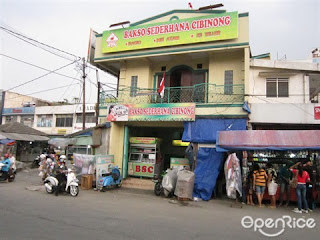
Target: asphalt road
{"type": "Point", "coordinates": [128, 214]}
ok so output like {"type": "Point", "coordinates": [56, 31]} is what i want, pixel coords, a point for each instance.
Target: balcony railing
{"type": "Point", "coordinates": [200, 93]}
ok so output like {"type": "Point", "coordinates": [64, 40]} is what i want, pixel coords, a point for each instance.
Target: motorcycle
{"type": "Point", "coordinates": [158, 188]}
{"type": "Point", "coordinates": [35, 163]}
{"type": "Point", "coordinates": [10, 176]}
{"type": "Point", "coordinates": [109, 180]}
{"type": "Point", "coordinates": [71, 186]}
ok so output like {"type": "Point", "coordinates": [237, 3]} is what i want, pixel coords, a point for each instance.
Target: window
{"type": "Point", "coordinates": [134, 84]}
{"type": "Point", "coordinates": [277, 87]}
{"type": "Point", "coordinates": [64, 120]}
{"type": "Point", "coordinates": [44, 120]}
{"type": "Point", "coordinates": [90, 118]}
{"type": "Point", "coordinates": [228, 82]}
{"type": "Point", "coordinates": [27, 120]}
{"type": "Point", "coordinates": [11, 119]}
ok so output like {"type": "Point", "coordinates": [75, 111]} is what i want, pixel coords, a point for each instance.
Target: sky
{"type": "Point", "coordinates": [288, 29]}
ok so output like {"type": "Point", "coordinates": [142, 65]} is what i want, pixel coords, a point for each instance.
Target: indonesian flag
{"type": "Point", "coordinates": [162, 87]}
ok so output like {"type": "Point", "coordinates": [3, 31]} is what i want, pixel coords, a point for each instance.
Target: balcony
{"type": "Point", "coordinates": [200, 94]}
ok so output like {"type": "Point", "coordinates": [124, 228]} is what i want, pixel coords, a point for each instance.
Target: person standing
{"type": "Point", "coordinates": [13, 161]}
{"type": "Point", "coordinates": [302, 177]}
{"type": "Point", "coordinates": [272, 184]}
{"type": "Point", "coordinates": [6, 167]}
{"type": "Point", "coordinates": [285, 178]}
{"type": "Point", "coordinates": [259, 182]}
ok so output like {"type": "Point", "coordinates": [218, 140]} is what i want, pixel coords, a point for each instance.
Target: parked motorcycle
{"type": "Point", "coordinates": [35, 163]}
{"type": "Point", "coordinates": [10, 176]}
{"type": "Point", "coordinates": [109, 180]}
{"type": "Point", "coordinates": [158, 189]}
{"type": "Point", "coordinates": [71, 186]}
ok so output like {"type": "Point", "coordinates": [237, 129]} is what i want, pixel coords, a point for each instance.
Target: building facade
{"type": "Point", "coordinates": [203, 57]}
{"type": "Point", "coordinates": [284, 95]}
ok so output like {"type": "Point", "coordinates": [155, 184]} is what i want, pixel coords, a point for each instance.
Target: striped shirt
{"type": "Point", "coordinates": [260, 177]}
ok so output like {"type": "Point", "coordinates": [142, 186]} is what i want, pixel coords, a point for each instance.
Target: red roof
{"type": "Point", "coordinates": [285, 139]}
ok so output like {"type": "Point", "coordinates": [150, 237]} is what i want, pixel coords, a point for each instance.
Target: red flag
{"type": "Point", "coordinates": [162, 87]}
{"type": "Point", "coordinates": [190, 5]}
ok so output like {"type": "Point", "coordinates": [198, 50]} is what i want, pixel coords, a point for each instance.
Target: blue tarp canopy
{"type": "Point", "coordinates": [205, 130]}
{"type": "Point", "coordinates": [209, 164]}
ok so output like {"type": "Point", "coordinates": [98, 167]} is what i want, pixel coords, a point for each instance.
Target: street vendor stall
{"type": "Point", "coordinates": [278, 148]}
{"type": "Point", "coordinates": [144, 159]}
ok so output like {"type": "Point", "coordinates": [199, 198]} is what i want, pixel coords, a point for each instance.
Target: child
{"type": "Point", "coordinates": [249, 188]}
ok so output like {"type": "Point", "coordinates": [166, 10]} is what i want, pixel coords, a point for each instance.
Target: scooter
{"type": "Point", "coordinates": [71, 185]}
{"type": "Point", "coordinates": [35, 163]}
{"type": "Point", "coordinates": [109, 180]}
{"type": "Point", "coordinates": [158, 188]}
{"type": "Point", "coordinates": [11, 174]}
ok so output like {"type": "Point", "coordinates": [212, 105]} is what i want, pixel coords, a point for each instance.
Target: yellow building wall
{"type": "Point", "coordinates": [222, 61]}
{"type": "Point", "coordinates": [117, 142]}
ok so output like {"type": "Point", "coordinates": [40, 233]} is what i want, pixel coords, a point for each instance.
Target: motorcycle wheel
{"type": "Point", "coordinates": [74, 191]}
{"type": "Point", "coordinates": [166, 192]}
{"type": "Point", "coordinates": [48, 190]}
{"type": "Point", "coordinates": [11, 179]}
{"type": "Point", "coordinates": [157, 189]}
{"type": "Point", "coordinates": [119, 185]}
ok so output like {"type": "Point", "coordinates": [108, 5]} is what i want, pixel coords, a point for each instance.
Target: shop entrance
{"type": "Point", "coordinates": [166, 151]}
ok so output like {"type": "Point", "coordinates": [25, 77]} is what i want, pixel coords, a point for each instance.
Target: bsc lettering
{"type": "Point", "coordinates": [144, 169]}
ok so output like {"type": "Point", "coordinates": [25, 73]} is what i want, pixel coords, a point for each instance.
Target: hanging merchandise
{"type": "Point", "coordinates": [233, 176]}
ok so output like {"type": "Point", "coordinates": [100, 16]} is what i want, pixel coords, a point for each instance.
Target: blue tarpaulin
{"type": "Point", "coordinates": [209, 163]}
{"type": "Point", "coordinates": [205, 130]}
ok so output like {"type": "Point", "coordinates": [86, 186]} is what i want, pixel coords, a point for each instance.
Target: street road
{"type": "Point", "coordinates": [128, 214]}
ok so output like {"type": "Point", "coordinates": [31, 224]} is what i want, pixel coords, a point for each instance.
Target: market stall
{"type": "Point", "coordinates": [277, 147]}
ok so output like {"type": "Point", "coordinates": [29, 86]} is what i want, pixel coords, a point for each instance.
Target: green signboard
{"type": "Point", "coordinates": [177, 32]}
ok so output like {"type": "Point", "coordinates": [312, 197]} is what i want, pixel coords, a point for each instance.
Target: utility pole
{"type": "Point", "coordinates": [98, 98]}
{"type": "Point", "coordinates": [84, 95]}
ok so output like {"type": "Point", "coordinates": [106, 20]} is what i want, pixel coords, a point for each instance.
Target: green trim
{"type": "Point", "coordinates": [261, 56]}
{"type": "Point", "coordinates": [102, 115]}
{"type": "Point", "coordinates": [173, 51]}
{"type": "Point", "coordinates": [103, 107]}
{"type": "Point", "coordinates": [174, 18]}
{"type": "Point", "coordinates": [99, 35]}
{"type": "Point", "coordinates": [125, 152]}
{"type": "Point", "coordinates": [219, 105]}
{"type": "Point", "coordinates": [174, 11]}
{"type": "Point", "coordinates": [244, 14]}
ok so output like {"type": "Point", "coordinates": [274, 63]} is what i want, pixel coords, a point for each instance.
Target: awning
{"type": "Point", "coordinates": [205, 130]}
{"type": "Point", "coordinates": [268, 140]}
{"type": "Point", "coordinates": [24, 137]}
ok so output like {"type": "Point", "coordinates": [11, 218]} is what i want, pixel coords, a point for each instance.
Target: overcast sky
{"type": "Point", "coordinates": [288, 28]}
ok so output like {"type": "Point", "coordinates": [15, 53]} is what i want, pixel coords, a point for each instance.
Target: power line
{"type": "Point", "coordinates": [37, 66]}
{"type": "Point", "coordinates": [47, 90]}
{"type": "Point", "coordinates": [21, 35]}
{"type": "Point", "coordinates": [39, 77]}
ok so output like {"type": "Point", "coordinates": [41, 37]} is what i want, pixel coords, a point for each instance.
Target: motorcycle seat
{"type": "Point", "coordinates": [106, 174]}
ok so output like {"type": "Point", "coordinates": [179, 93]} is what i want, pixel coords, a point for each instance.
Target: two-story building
{"type": "Point", "coordinates": [203, 58]}
{"type": "Point", "coordinates": [284, 95]}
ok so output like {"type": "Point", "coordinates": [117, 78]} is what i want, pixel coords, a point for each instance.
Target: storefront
{"type": "Point", "coordinates": [179, 73]}
{"type": "Point", "coordinates": [278, 147]}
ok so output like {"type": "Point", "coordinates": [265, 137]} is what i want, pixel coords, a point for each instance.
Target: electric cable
{"type": "Point", "coordinates": [13, 32]}
{"type": "Point", "coordinates": [31, 64]}
{"type": "Point", "coordinates": [22, 84]}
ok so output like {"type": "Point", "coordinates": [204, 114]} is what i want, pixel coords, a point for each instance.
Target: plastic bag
{"type": "Point", "coordinates": [185, 183]}
{"type": "Point", "coordinates": [233, 176]}
{"type": "Point", "coordinates": [170, 179]}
